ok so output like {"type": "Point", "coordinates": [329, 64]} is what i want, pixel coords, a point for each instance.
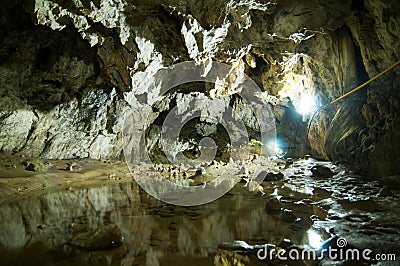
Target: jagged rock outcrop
{"type": "Point", "coordinates": [70, 70]}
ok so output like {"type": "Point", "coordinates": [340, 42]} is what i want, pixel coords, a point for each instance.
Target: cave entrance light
{"type": "Point", "coordinates": [277, 147]}
{"type": "Point", "coordinates": [297, 83]}
{"type": "Point", "coordinates": [307, 104]}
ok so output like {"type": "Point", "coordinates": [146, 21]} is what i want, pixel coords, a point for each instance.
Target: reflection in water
{"type": "Point", "coordinates": [302, 208]}
{"type": "Point", "coordinates": [154, 233]}
{"type": "Point", "coordinates": [314, 239]}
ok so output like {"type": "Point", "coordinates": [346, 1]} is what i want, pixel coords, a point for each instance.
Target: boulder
{"type": "Point", "coordinates": [321, 171]}
{"type": "Point", "coordinates": [273, 205]}
{"type": "Point", "coordinates": [104, 237]}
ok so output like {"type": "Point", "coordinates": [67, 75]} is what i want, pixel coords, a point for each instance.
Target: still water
{"type": "Point", "coordinates": [36, 231]}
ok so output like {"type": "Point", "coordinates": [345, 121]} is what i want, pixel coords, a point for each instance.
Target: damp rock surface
{"type": "Point", "coordinates": [93, 211]}
{"type": "Point", "coordinates": [70, 71]}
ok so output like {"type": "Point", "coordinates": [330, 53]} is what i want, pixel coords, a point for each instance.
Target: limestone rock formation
{"type": "Point", "coordinates": [71, 70]}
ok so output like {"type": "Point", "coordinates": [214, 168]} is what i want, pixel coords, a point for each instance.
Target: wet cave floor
{"type": "Point", "coordinates": [94, 213]}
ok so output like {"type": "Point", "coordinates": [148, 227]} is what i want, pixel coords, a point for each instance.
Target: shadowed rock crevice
{"type": "Point", "coordinates": [45, 68]}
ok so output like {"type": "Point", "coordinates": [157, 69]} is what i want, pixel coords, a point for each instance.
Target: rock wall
{"type": "Point", "coordinates": [380, 139]}
{"type": "Point", "coordinates": [69, 71]}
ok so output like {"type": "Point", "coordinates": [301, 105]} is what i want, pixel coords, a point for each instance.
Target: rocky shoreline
{"type": "Point", "coordinates": [293, 204]}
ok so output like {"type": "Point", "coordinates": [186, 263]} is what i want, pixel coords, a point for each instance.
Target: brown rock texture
{"type": "Point", "coordinates": [70, 70]}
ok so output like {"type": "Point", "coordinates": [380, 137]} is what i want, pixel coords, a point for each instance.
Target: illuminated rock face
{"type": "Point", "coordinates": [69, 72]}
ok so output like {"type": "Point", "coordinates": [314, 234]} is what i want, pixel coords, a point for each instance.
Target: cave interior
{"type": "Point", "coordinates": [202, 132]}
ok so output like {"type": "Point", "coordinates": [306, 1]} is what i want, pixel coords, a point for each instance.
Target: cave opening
{"type": "Point", "coordinates": [192, 131]}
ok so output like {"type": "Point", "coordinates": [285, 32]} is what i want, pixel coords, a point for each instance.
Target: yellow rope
{"type": "Point", "coordinates": [366, 83]}
{"type": "Point", "coordinates": [351, 92]}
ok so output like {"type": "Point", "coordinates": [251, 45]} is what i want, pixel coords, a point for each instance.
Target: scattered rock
{"type": "Point", "coordinates": [30, 167]}
{"type": "Point", "coordinates": [320, 194]}
{"type": "Point", "coordinates": [274, 176]}
{"type": "Point", "coordinates": [104, 237]}
{"type": "Point", "coordinates": [321, 171]}
{"type": "Point", "coordinates": [22, 189]}
{"type": "Point", "coordinates": [357, 218]}
{"type": "Point", "coordinates": [241, 247]}
{"type": "Point", "coordinates": [255, 158]}
{"type": "Point", "coordinates": [255, 187]}
{"type": "Point", "coordinates": [73, 166]}
{"type": "Point", "coordinates": [298, 172]}
{"type": "Point", "coordinates": [11, 166]}
{"type": "Point", "coordinates": [237, 245]}
{"type": "Point", "coordinates": [289, 162]}
{"type": "Point", "coordinates": [243, 171]}
{"type": "Point", "coordinates": [174, 174]}
{"type": "Point", "coordinates": [36, 166]}
{"type": "Point", "coordinates": [333, 216]}
{"type": "Point", "coordinates": [111, 176]}
{"type": "Point", "coordinates": [285, 243]}
{"type": "Point", "coordinates": [273, 205]}
{"type": "Point", "coordinates": [385, 192]}
{"type": "Point", "coordinates": [288, 216]}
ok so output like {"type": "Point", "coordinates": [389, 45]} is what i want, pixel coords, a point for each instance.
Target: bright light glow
{"type": "Point", "coordinates": [306, 104]}
{"type": "Point", "coordinates": [277, 147]}
{"type": "Point", "coordinates": [314, 239]}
